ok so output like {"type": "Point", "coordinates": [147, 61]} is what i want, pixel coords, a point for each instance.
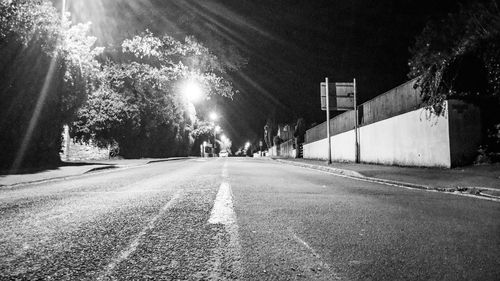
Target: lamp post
{"type": "Point", "coordinates": [247, 146]}
{"type": "Point", "coordinates": [214, 116]}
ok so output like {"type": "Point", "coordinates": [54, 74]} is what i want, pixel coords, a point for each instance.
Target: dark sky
{"type": "Point", "coordinates": [291, 46]}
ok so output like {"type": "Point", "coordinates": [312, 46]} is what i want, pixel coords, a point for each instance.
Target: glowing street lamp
{"type": "Point", "coordinates": [192, 91]}
{"type": "Point", "coordinates": [214, 116]}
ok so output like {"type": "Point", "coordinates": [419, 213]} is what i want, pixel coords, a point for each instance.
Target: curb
{"type": "Point", "coordinates": [169, 159]}
{"type": "Point", "coordinates": [356, 175]}
{"type": "Point", "coordinates": [323, 168]}
{"type": "Point", "coordinates": [107, 167]}
{"type": "Point", "coordinates": [104, 167]}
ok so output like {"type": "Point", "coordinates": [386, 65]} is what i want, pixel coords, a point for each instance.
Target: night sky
{"type": "Point", "coordinates": [291, 46]}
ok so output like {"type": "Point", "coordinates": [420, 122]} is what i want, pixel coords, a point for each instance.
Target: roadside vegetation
{"type": "Point", "coordinates": [459, 57]}
{"type": "Point", "coordinates": [52, 74]}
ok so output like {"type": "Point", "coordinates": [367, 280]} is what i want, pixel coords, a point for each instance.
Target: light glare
{"type": "Point", "coordinates": [192, 91]}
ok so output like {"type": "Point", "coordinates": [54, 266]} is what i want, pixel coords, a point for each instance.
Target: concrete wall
{"type": "Point", "coordinates": [465, 132]}
{"type": "Point", "coordinates": [403, 98]}
{"type": "Point", "coordinates": [285, 149]}
{"type": "Point", "coordinates": [343, 147]}
{"type": "Point", "coordinates": [316, 150]}
{"type": "Point", "coordinates": [272, 151]}
{"type": "Point", "coordinates": [75, 151]}
{"type": "Point", "coordinates": [414, 138]}
{"type": "Point", "coordinates": [338, 124]}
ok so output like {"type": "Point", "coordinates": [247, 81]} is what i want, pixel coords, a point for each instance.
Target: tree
{"type": "Point", "coordinates": [300, 130]}
{"type": "Point", "coordinates": [458, 56]}
{"type": "Point", "coordinates": [138, 103]}
{"type": "Point", "coordinates": [45, 66]}
{"type": "Point", "coordinates": [270, 129]}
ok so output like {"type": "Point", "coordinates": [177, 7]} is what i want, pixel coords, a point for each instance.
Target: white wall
{"type": "Point", "coordinates": [343, 147]}
{"type": "Point", "coordinates": [316, 150]}
{"type": "Point", "coordinates": [410, 139]}
{"type": "Point", "coordinates": [272, 151]}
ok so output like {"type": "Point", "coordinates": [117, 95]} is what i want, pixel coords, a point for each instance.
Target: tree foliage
{"type": "Point", "coordinates": [51, 74]}
{"type": "Point", "coordinates": [203, 129]}
{"type": "Point", "coordinates": [45, 66]}
{"type": "Point", "coordinates": [138, 103]}
{"type": "Point", "coordinates": [458, 56]}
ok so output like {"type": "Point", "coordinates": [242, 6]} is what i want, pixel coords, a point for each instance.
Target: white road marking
{"type": "Point", "coordinates": [223, 213]}
{"type": "Point", "coordinates": [316, 255]}
{"type": "Point", "coordinates": [132, 247]}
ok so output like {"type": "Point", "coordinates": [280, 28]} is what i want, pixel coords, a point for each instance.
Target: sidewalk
{"type": "Point", "coordinates": [483, 180]}
{"type": "Point", "coordinates": [71, 169]}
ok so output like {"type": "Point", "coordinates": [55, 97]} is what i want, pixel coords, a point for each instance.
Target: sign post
{"type": "Point", "coordinates": [328, 122]}
{"type": "Point", "coordinates": [356, 135]}
{"type": "Point", "coordinates": [344, 99]}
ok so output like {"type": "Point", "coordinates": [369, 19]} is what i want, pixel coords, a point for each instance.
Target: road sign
{"type": "Point", "coordinates": [341, 96]}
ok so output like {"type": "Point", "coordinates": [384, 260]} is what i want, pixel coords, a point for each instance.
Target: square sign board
{"type": "Point", "coordinates": [341, 96]}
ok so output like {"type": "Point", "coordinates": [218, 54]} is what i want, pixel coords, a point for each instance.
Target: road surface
{"type": "Point", "coordinates": [242, 218]}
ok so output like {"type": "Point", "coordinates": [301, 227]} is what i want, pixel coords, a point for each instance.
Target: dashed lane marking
{"type": "Point", "coordinates": [132, 247]}
{"type": "Point", "coordinates": [316, 255]}
{"type": "Point", "coordinates": [223, 213]}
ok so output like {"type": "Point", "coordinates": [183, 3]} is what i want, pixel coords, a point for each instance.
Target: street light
{"type": "Point", "coordinates": [214, 116]}
{"type": "Point", "coordinates": [247, 146]}
{"type": "Point", "coordinates": [192, 91]}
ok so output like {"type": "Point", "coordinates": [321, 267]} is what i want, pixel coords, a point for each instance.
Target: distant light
{"type": "Point", "coordinates": [247, 145]}
{"type": "Point", "coordinates": [217, 128]}
{"type": "Point", "coordinates": [192, 91]}
{"type": "Point", "coordinates": [214, 116]}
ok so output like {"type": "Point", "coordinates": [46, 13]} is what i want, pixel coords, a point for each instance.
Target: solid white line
{"type": "Point", "coordinates": [132, 247]}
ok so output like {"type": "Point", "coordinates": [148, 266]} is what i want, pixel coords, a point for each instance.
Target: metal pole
{"type": "Point", "coordinates": [356, 123]}
{"type": "Point", "coordinates": [63, 9]}
{"type": "Point", "coordinates": [328, 122]}
{"type": "Point", "coordinates": [67, 139]}
{"type": "Point", "coordinates": [215, 139]}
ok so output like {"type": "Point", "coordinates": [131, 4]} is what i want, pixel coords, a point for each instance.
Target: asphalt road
{"type": "Point", "coordinates": [242, 218]}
